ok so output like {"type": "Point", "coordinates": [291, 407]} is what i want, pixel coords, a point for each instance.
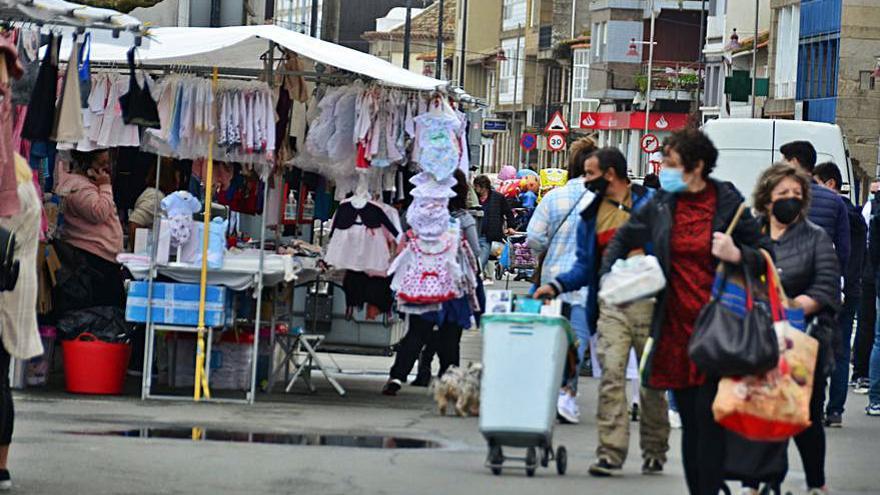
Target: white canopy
{"type": "Point", "coordinates": [241, 47]}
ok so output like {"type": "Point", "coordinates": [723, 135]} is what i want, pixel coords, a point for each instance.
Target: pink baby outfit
{"type": "Point", "coordinates": [426, 272]}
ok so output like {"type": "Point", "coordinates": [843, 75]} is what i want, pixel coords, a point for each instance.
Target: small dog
{"type": "Point", "coordinates": [459, 387]}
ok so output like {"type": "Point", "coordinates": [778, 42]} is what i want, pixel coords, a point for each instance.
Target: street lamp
{"type": "Point", "coordinates": [734, 41]}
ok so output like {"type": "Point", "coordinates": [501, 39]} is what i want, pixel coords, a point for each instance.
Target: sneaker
{"type": "Point", "coordinates": [862, 386]}
{"type": "Point", "coordinates": [674, 420]}
{"type": "Point", "coordinates": [748, 491]}
{"type": "Point", "coordinates": [5, 480]}
{"type": "Point", "coordinates": [391, 387]}
{"type": "Point", "coordinates": [817, 491]}
{"type": "Point", "coordinates": [873, 409]}
{"type": "Point", "coordinates": [567, 408]}
{"type": "Point", "coordinates": [833, 420]}
{"type": "Point", "coordinates": [603, 468]}
{"type": "Point", "coordinates": [652, 466]}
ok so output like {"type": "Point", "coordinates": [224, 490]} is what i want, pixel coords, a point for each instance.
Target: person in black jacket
{"type": "Point", "coordinates": [828, 174]}
{"type": "Point", "coordinates": [496, 211]}
{"type": "Point", "coordinates": [684, 224]}
{"type": "Point", "coordinates": [864, 340]}
{"type": "Point", "coordinates": [827, 210]}
{"type": "Point", "coordinates": [810, 274]}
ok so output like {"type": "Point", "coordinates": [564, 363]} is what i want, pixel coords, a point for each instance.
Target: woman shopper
{"type": "Point", "coordinates": [147, 203]}
{"type": "Point", "coordinates": [468, 225]}
{"type": "Point", "coordinates": [91, 225]}
{"type": "Point", "coordinates": [684, 223]}
{"type": "Point", "coordinates": [453, 317]}
{"type": "Point", "coordinates": [810, 273]}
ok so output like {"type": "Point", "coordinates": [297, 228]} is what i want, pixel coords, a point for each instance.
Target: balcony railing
{"type": "Point", "coordinates": [671, 76]}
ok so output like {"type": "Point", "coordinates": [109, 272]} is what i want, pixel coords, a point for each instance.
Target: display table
{"type": "Point", "coordinates": [240, 270]}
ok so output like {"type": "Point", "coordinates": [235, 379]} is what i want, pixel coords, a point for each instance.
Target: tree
{"type": "Point", "coordinates": [120, 5]}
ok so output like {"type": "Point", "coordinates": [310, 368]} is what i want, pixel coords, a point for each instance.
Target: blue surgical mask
{"type": "Point", "coordinates": [672, 180]}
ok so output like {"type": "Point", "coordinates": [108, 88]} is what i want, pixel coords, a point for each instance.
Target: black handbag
{"type": "Point", "coordinates": [138, 106]}
{"type": "Point", "coordinates": [9, 266]}
{"type": "Point", "coordinates": [726, 343]}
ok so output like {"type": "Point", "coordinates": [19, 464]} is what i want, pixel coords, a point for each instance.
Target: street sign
{"type": "Point", "coordinates": [649, 143]}
{"type": "Point", "coordinates": [556, 125]}
{"type": "Point", "coordinates": [556, 142]}
{"type": "Point", "coordinates": [494, 125]}
{"type": "Point", "coordinates": [528, 142]}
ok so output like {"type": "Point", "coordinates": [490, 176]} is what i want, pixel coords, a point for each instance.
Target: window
{"type": "Point", "coordinates": [296, 15]}
{"type": "Point", "coordinates": [513, 13]}
{"type": "Point", "coordinates": [817, 70]}
{"type": "Point", "coordinates": [600, 45]}
{"type": "Point", "coordinates": [714, 85]}
{"type": "Point", "coordinates": [787, 32]}
{"type": "Point", "coordinates": [512, 71]}
{"type": "Point", "coordinates": [581, 76]}
{"type": "Point", "coordinates": [866, 80]}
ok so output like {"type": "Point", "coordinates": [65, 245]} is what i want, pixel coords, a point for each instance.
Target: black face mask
{"type": "Point", "coordinates": [598, 185]}
{"type": "Point", "coordinates": [787, 210]}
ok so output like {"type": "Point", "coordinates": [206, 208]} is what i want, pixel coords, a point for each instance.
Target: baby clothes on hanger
{"type": "Point", "coordinates": [437, 150]}
{"type": "Point", "coordinates": [362, 239]}
{"type": "Point", "coordinates": [426, 272]}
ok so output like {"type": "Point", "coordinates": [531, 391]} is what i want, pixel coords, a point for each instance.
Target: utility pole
{"type": "Point", "coordinates": [755, 59]}
{"type": "Point", "coordinates": [439, 59]}
{"type": "Point", "coordinates": [313, 25]}
{"type": "Point", "coordinates": [461, 63]}
{"type": "Point", "coordinates": [407, 34]}
{"type": "Point", "coordinates": [650, 74]}
{"type": "Point", "coordinates": [701, 57]}
{"type": "Point", "coordinates": [515, 91]}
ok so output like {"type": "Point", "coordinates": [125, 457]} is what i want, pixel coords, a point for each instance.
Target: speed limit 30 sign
{"type": "Point", "coordinates": [556, 142]}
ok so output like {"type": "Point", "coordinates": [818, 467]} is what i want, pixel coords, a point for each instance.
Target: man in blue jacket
{"type": "Point", "coordinates": [827, 209]}
{"type": "Point", "coordinates": [620, 329]}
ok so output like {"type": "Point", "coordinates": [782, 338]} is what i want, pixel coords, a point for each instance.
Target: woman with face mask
{"type": "Point", "coordinates": [810, 274]}
{"type": "Point", "coordinates": [684, 225]}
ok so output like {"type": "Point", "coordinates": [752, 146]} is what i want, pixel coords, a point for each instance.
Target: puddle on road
{"type": "Point", "coordinates": [297, 439]}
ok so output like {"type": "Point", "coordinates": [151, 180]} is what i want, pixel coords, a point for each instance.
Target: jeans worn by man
{"type": "Point", "coordinates": [621, 329]}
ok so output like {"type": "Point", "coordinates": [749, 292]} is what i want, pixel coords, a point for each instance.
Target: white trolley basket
{"type": "Point", "coordinates": [523, 360]}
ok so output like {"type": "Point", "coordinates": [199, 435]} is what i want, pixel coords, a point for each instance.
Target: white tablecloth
{"type": "Point", "coordinates": [239, 271]}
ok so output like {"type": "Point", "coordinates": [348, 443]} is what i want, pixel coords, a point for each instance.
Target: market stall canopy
{"type": "Point", "coordinates": [69, 14]}
{"type": "Point", "coordinates": [241, 47]}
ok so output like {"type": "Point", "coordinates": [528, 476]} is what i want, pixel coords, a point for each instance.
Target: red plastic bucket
{"type": "Point", "coordinates": [94, 367]}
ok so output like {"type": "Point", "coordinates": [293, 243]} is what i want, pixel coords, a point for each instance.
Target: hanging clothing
{"type": "Point", "coordinates": [426, 272]}
{"type": "Point", "coordinates": [437, 150]}
{"type": "Point", "coordinates": [41, 114]}
{"type": "Point", "coordinates": [362, 239]}
{"type": "Point", "coordinates": [29, 56]}
{"type": "Point", "coordinates": [9, 202]}
{"type": "Point", "coordinates": [68, 117]}
{"type": "Point", "coordinates": [18, 308]}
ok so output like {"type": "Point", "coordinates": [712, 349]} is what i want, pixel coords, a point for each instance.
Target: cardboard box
{"type": "Point", "coordinates": [176, 304]}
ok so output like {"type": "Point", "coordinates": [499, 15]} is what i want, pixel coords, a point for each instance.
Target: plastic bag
{"type": "Point", "coordinates": [107, 323]}
{"type": "Point", "coordinates": [216, 243]}
{"type": "Point", "coordinates": [632, 279]}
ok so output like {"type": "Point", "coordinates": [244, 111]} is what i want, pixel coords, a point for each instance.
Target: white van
{"type": "Point", "coordinates": [748, 146]}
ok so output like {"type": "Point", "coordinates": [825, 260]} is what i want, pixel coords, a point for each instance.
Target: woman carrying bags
{"type": "Point", "coordinates": [810, 274]}
{"type": "Point", "coordinates": [684, 223]}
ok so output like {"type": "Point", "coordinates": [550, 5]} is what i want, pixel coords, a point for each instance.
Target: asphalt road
{"type": "Point", "coordinates": [48, 455]}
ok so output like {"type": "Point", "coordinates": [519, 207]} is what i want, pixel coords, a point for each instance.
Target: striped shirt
{"type": "Point", "coordinates": [555, 209]}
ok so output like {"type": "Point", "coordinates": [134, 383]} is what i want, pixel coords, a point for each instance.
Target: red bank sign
{"type": "Point", "coordinates": [660, 121]}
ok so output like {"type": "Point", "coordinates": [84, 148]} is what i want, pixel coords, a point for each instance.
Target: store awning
{"type": "Point", "coordinates": [241, 47]}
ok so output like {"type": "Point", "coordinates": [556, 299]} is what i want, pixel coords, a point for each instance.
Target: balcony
{"type": "Point", "coordinates": [671, 80]}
